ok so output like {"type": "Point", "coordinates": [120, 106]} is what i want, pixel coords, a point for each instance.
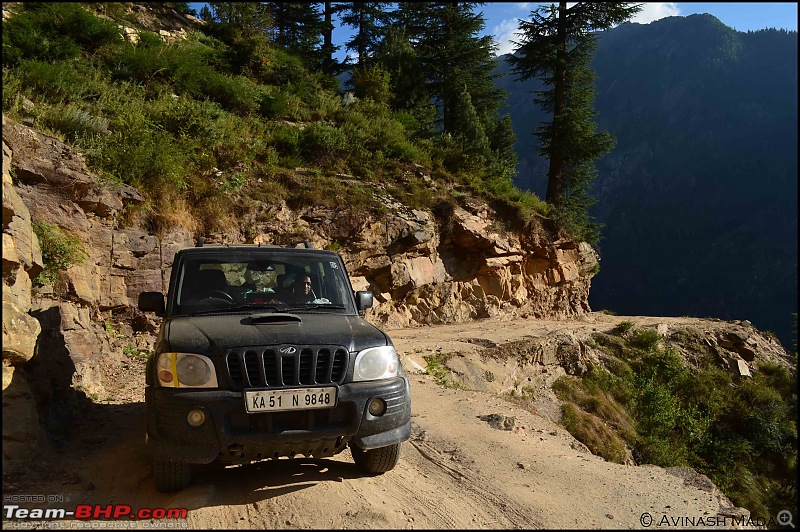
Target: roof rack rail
{"type": "Point", "coordinates": [308, 245]}
{"type": "Point", "coordinates": [200, 242]}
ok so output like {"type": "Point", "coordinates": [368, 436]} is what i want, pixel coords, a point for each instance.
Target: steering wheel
{"type": "Point", "coordinates": [225, 295]}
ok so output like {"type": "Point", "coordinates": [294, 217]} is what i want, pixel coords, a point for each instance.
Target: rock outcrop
{"type": "Point", "coordinates": [22, 262]}
{"type": "Point", "coordinates": [426, 270]}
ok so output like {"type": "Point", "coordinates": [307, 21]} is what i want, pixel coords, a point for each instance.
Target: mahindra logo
{"type": "Point", "coordinates": [287, 350]}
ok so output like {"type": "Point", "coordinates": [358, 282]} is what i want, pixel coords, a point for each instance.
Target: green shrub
{"type": "Point", "coordinates": [623, 327]}
{"type": "Point", "coordinates": [75, 123]}
{"type": "Point", "coordinates": [288, 69]}
{"type": "Point", "coordinates": [55, 80]}
{"type": "Point", "coordinates": [286, 139]}
{"type": "Point", "coordinates": [60, 250]}
{"type": "Point", "coordinates": [296, 108]}
{"type": "Point", "coordinates": [323, 143]}
{"type": "Point", "coordinates": [132, 351]}
{"type": "Point", "coordinates": [273, 104]}
{"type": "Point", "coordinates": [148, 61]}
{"type": "Point", "coordinates": [236, 93]}
{"type": "Point", "coordinates": [250, 55]}
{"type": "Point", "coordinates": [13, 87]}
{"type": "Point", "coordinates": [372, 83]}
{"type": "Point", "coordinates": [437, 368]}
{"type": "Point", "coordinates": [55, 32]}
{"type": "Point", "coordinates": [326, 104]}
{"type": "Point", "coordinates": [645, 339]}
{"type": "Point", "coordinates": [140, 152]}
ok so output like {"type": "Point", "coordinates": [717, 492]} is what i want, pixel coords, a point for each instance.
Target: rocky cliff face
{"type": "Point", "coordinates": [22, 261]}
{"type": "Point", "coordinates": [422, 268]}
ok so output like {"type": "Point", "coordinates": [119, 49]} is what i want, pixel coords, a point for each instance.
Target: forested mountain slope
{"type": "Point", "coordinates": [699, 197]}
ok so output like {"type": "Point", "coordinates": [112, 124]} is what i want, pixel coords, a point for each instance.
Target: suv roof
{"type": "Point", "coordinates": [304, 247]}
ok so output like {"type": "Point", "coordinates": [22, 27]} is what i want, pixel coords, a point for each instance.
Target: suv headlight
{"type": "Point", "coordinates": [376, 363]}
{"type": "Point", "coordinates": [185, 370]}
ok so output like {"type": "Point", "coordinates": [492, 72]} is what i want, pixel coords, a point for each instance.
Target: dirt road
{"type": "Point", "coordinates": [457, 471]}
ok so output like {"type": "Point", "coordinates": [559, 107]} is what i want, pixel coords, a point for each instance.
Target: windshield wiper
{"type": "Point", "coordinates": [237, 308]}
{"type": "Point", "coordinates": [209, 311]}
{"type": "Point", "coordinates": [312, 306]}
{"type": "Point", "coordinates": [260, 306]}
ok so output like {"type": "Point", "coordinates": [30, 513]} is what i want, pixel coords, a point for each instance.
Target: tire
{"type": "Point", "coordinates": [171, 476]}
{"type": "Point", "coordinates": [378, 460]}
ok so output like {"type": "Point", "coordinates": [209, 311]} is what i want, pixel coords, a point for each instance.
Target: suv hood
{"type": "Point", "coordinates": [211, 335]}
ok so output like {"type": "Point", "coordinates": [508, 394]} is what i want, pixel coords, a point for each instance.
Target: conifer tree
{"type": "Point", "coordinates": [244, 17]}
{"type": "Point", "coordinates": [469, 129]}
{"type": "Point", "coordinates": [205, 14]}
{"type": "Point", "coordinates": [299, 28]}
{"type": "Point", "coordinates": [557, 45]}
{"type": "Point", "coordinates": [407, 79]}
{"type": "Point", "coordinates": [407, 87]}
{"type": "Point", "coordinates": [369, 19]}
{"type": "Point", "coordinates": [329, 64]}
{"type": "Point", "coordinates": [446, 37]}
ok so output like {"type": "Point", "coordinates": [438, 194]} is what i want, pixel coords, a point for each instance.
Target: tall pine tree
{"type": "Point", "coordinates": [556, 45]}
{"type": "Point", "coordinates": [369, 19]}
{"type": "Point", "coordinates": [329, 64]}
{"type": "Point", "coordinates": [446, 37]}
{"type": "Point", "coordinates": [299, 28]}
{"type": "Point", "coordinates": [244, 17]}
{"type": "Point", "coordinates": [407, 79]}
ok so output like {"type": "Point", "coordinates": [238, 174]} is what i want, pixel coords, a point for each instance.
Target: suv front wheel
{"type": "Point", "coordinates": [171, 476]}
{"type": "Point", "coordinates": [378, 460]}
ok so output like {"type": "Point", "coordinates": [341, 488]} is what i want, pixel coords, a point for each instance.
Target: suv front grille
{"type": "Point", "coordinates": [267, 367]}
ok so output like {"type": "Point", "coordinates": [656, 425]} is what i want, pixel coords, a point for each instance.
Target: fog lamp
{"type": "Point", "coordinates": [377, 407]}
{"type": "Point", "coordinates": [196, 418]}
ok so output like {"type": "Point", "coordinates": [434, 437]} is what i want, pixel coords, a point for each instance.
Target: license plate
{"type": "Point", "coordinates": [292, 399]}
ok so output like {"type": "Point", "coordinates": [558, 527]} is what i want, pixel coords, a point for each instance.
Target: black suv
{"type": "Point", "coordinates": [263, 353]}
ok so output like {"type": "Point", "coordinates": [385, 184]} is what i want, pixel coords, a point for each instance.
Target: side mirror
{"type": "Point", "coordinates": [152, 302]}
{"type": "Point", "coordinates": [363, 300]}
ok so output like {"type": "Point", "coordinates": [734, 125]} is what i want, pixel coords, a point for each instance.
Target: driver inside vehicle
{"type": "Point", "coordinates": [302, 291]}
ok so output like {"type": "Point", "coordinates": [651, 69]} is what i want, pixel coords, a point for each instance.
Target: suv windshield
{"type": "Point", "coordinates": [270, 281]}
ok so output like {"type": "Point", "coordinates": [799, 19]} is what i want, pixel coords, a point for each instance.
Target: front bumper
{"type": "Point", "coordinates": [231, 435]}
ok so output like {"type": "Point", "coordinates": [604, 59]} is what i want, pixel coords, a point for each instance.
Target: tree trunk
{"type": "Point", "coordinates": [327, 46]}
{"type": "Point", "coordinates": [555, 181]}
{"type": "Point", "coordinates": [362, 44]}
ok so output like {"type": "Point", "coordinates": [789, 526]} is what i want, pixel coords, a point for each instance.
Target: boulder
{"type": "Point", "coordinates": [20, 333]}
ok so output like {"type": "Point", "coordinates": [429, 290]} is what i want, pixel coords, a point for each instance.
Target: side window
{"type": "Point", "coordinates": [333, 282]}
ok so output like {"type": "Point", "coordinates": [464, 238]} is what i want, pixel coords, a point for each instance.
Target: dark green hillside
{"type": "Point", "coordinates": [699, 197]}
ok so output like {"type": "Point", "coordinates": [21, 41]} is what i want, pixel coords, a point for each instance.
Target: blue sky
{"type": "Point", "coordinates": [502, 17]}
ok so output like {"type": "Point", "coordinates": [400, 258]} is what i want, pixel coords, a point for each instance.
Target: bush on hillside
{"type": "Point", "coordinates": [55, 32]}
{"type": "Point", "coordinates": [169, 117]}
{"type": "Point", "coordinates": [741, 433]}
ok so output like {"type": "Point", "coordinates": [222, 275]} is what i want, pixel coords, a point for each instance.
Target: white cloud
{"type": "Point", "coordinates": [504, 33]}
{"type": "Point", "coordinates": [507, 30]}
{"type": "Point", "coordinates": [655, 10]}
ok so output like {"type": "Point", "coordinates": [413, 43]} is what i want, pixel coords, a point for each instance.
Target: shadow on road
{"type": "Point", "coordinates": [105, 461]}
